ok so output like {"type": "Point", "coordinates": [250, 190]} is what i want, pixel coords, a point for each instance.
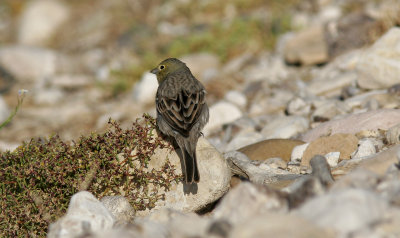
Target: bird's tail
{"type": "Point", "coordinates": [190, 160]}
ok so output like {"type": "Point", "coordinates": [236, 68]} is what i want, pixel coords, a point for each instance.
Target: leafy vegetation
{"type": "Point", "coordinates": [38, 179]}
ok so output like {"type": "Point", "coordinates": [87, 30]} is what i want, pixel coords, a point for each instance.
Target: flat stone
{"type": "Point", "coordinates": [372, 120]}
{"type": "Point", "coordinates": [346, 144]}
{"type": "Point", "coordinates": [281, 148]}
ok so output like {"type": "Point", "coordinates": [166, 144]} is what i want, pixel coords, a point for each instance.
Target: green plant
{"type": "Point", "coordinates": [38, 179]}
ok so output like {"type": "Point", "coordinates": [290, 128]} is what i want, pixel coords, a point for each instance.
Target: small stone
{"type": "Point", "coordinates": [297, 152]}
{"type": "Point", "coordinates": [120, 208]}
{"type": "Point", "coordinates": [393, 134]}
{"type": "Point", "coordinates": [4, 111]}
{"type": "Point", "coordinates": [345, 211]}
{"type": "Point", "coordinates": [321, 169]}
{"type": "Point", "coordinates": [40, 21]}
{"type": "Point", "coordinates": [366, 148]}
{"type": "Point", "coordinates": [380, 119]}
{"type": "Point", "coordinates": [85, 215]}
{"type": "Point", "coordinates": [236, 98]}
{"type": "Point", "coordinates": [247, 200]}
{"type": "Point", "coordinates": [144, 91]}
{"type": "Point", "coordinates": [332, 158]}
{"type": "Point", "coordinates": [281, 148]}
{"type": "Point", "coordinates": [346, 144]}
{"type": "Point", "coordinates": [379, 66]}
{"type": "Point", "coordinates": [298, 106]}
{"type": "Point", "coordinates": [307, 47]}
{"type": "Point", "coordinates": [285, 127]}
{"type": "Point", "coordinates": [276, 163]}
{"type": "Point", "coordinates": [220, 114]}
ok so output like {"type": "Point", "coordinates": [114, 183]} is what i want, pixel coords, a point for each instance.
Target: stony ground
{"type": "Point", "coordinates": [330, 87]}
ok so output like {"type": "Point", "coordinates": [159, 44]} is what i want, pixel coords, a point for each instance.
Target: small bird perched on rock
{"type": "Point", "coordinates": [182, 111]}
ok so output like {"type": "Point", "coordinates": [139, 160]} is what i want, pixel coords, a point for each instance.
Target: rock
{"type": "Point", "coordinates": [70, 82]}
{"type": "Point", "coordinates": [327, 110]}
{"type": "Point", "coordinates": [380, 162]}
{"type": "Point", "coordinates": [279, 225]}
{"type": "Point", "coordinates": [379, 66]}
{"type": "Point", "coordinates": [297, 152]}
{"type": "Point", "coordinates": [170, 221]}
{"type": "Point", "coordinates": [281, 148]}
{"type": "Point", "coordinates": [276, 163]}
{"type": "Point", "coordinates": [243, 139]}
{"type": "Point", "coordinates": [40, 20]}
{"type": "Point", "coordinates": [359, 178]}
{"type": "Point", "coordinates": [4, 111]}
{"type": "Point", "coordinates": [36, 62]}
{"type": "Point", "coordinates": [221, 113]}
{"type": "Point", "coordinates": [332, 158]}
{"type": "Point", "coordinates": [298, 106]}
{"type": "Point", "coordinates": [345, 211]}
{"type": "Point", "coordinates": [6, 80]}
{"type": "Point", "coordinates": [353, 123]}
{"type": "Point", "coordinates": [85, 215]}
{"type": "Point", "coordinates": [321, 170]}
{"type": "Point", "coordinates": [366, 148]}
{"type": "Point", "coordinates": [285, 127]}
{"type": "Point", "coordinates": [120, 208]}
{"type": "Point", "coordinates": [237, 63]}
{"type": "Point", "coordinates": [346, 144]}
{"type": "Point", "coordinates": [350, 32]}
{"type": "Point", "coordinates": [214, 179]}
{"type": "Point", "coordinates": [48, 96]}
{"type": "Point", "coordinates": [145, 90]}
{"type": "Point", "coordinates": [246, 201]}
{"type": "Point", "coordinates": [201, 63]}
{"type": "Point", "coordinates": [236, 98]}
{"type": "Point", "coordinates": [259, 173]}
{"type": "Point", "coordinates": [307, 47]}
{"type": "Point", "coordinates": [393, 134]}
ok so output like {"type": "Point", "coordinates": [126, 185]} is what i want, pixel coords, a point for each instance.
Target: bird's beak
{"type": "Point", "coordinates": [154, 71]}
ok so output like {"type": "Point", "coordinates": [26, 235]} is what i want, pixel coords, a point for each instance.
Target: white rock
{"type": "Point", "coordinates": [393, 134]}
{"type": "Point", "coordinates": [246, 201]}
{"type": "Point", "coordinates": [35, 62]}
{"type": "Point", "coordinates": [366, 147]}
{"type": "Point", "coordinates": [298, 106]}
{"type": "Point", "coordinates": [379, 67]}
{"type": "Point", "coordinates": [214, 172]}
{"type": "Point", "coordinates": [236, 98]}
{"type": "Point", "coordinates": [50, 96]}
{"type": "Point", "coordinates": [145, 90]}
{"type": "Point", "coordinates": [40, 21]}
{"type": "Point", "coordinates": [345, 211]}
{"type": "Point", "coordinates": [221, 113]}
{"type": "Point", "coordinates": [285, 127]}
{"type": "Point", "coordinates": [85, 214]}
{"type": "Point", "coordinates": [332, 158]}
{"type": "Point", "coordinates": [4, 111]}
{"type": "Point", "coordinates": [297, 152]}
{"type": "Point", "coordinates": [119, 207]}
{"type": "Point", "coordinates": [243, 139]}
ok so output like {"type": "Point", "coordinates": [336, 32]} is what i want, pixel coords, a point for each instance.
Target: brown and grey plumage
{"type": "Point", "coordinates": [182, 111]}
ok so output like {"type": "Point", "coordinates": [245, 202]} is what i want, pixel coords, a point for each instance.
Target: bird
{"type": "Point", "coordinates": [182, 111]}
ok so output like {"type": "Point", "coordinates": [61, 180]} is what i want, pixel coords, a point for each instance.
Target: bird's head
{"type": "Point", "coordinates": [168, 66]}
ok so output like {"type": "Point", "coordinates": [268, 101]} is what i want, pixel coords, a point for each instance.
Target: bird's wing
{"type": "Point", "coordinates": [182, 108]}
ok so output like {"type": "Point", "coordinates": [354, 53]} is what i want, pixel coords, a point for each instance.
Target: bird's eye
{"type": "Point", "coordinates": [162, 66]}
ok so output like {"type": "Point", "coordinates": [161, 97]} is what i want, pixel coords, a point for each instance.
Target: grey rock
{"type": "Point", "coordinates": [393, 134]}
{"type": "Point", "coordinates": [214, 179]}
{"type": "Point", "coordinates": [345, 211]}
{"type": "Point", "coordinates": [353, 123]}
{"type": "Point", "coordinates": [321, 169]}
{"type": "Point", "coordinates": [85, 215]}
{"type": "Point", "coordinates": [366, 147]}
{"type": "Point", "coordinates": [237, 98]}
{"type": "Point", "coordinates": [120, 208]}
{"type": "Point", "coordinates": [221, 113]}
{"type": "Point", "coordinates": [379, 66]}
{"type": "Point", "coordinates": [280, 226]}
{"type": "Point", "coordinates": [40, 20]}
{"type": "Point", "coordinates": [35, 62]}
{"type": "Point", "coordinates": [246, 201]}
{"type": "Point", "coordinates": [4, 111]}
{"type": "Point", "coordinates": [144, 91]}
{"type": "Point", "coordinates": [285, 127]}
